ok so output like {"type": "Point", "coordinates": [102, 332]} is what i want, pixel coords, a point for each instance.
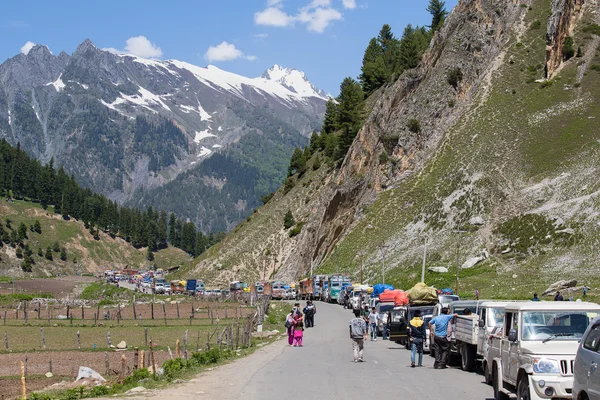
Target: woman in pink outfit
{"type": "Point", "coordinates": [298, 329]}
{"type": "Point", "coordinates": [289, 324]}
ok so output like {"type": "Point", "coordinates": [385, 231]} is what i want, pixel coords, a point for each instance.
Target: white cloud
{"type": "Point", "coordinates": [273, 16]}
{"type": "Point", "coordinates": [261, 35]}
{"type": "Point", "coordinates": [140, 46]}
{"type": "Point", "coordinates": [316, 15]}
{"type": "Point", "coordinates": [318, 19]}
{"type": "Point", "coordinates": [349, 4]}
{"type": "Point", "coordinates": [26, 47]}
{"type": "Point", "coordinates": [225, 52]}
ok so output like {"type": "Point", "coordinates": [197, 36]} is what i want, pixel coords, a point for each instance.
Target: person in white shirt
{"type": "Point", "coordinates": [373, 321]}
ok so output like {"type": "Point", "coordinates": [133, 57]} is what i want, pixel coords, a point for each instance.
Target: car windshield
{"type": "Point", "coordinates": [424, 311]}
{"type": "Point", "coordinates": [397, 316]}
{"type": "Point", "coordinates": [557, 325]}
{"type": "Point", "coordinates": [447, 298]}
{"type": "Point", "coordinates": [460, 310]}
{"type": "Point", "coordinates": [495, 316]}
{"type": "Point", "coordinates": [385, 308]}
{"type": "Point", "coordinates": [335, 284]}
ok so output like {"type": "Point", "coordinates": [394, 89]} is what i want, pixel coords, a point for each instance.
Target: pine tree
{"type": "Point", "coordinates": [22, 231]}
{"type": "Point", "coordinates": [19, 252]}
{"type": "Point", "coordinates": [288, 220]}
{"type": "Point", "coordinates": [49, 253]}
{"type": "Point", "coordinates": [40, 252]}
{"type": "Point", "coordinates": [63, 254]}
{"type": "Point", "coordinates": [172, 222]}
{"type": "Point", "coordinates": [56, 247]}
{"type": "Point", "coordinates": [149, 254]}
{"type": "Point", "coordinates": [297, 163]}
{"type": "Point", "coordinates": [317, 163]}
{"type": "Point", "coordinates": [314, 142]}
{"type": "Point", "coordinates": [26, 265]}
{"type": "Point", "coordinates": [331, 119]}
{"type": "Point", "coordinates": [351, 113]}
{"type": "Point", "coordinates": [373, 71]}
{"type": "Point", "coordinates": [201, 244]}
{"type": "Point", "coordinates": [437, 9]}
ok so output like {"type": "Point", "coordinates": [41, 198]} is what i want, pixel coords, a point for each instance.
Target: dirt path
{"type": "Point", "coordinates": [225, 382]}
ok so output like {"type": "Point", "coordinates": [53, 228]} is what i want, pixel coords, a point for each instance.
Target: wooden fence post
{"type": "Point", "coordinates": [95, 320]}
{"type": "Point", "coordinates": [68, 310]}
{"type": "Point", "coordinates": [136, 358]}
{"type": "Point", "coordinates": [134, 312]}
{"type": "Point", "coordinates": [26, 313]}
{"type": "Point", "coordinates": [177, 305]}
{"type": "Point", "coordinates": [4, 317]}
{"type": "Point", "coordinates": [107, 362]}
{"type": "Point", "coordinates": [164, 313]}
{"type": "Point", "coordinates": [82, 313]}
{"type": "Point", "coordinates": [43, 338]}
{"type": "Point", "coordinates": [6, 340]}
{"type": "Point", "coordinates": [78, 340]}
{"type": "Point", "coordinates": [49, 312]}
{"type": "Point", "coordinates": [177, 352]}
{"type": "Point", "coordinates": [98, 311]}
{"type": "Point", "coordinates": [152, 309]}
{"type": "Point", "coordinates": [23, 387]}
{"type": "Point", "coordinates": [185, 340]}
{"type": "Point", "coordinates": [146, 336]}
{"type": "Point", "coordinates": [39, 307]}
{"type": "Point", "coordinates": [152, 360]}
{"type": "Point", "coordinates": [108, 341]}
{"type": "Point", "coordinates": [123, 365]}
{"type": "Point", "coordinates": [50, 365]}
{"type": "Point", "coordinates": [142, 353]}
{"type": "Point", "coordinates": [170, 352]}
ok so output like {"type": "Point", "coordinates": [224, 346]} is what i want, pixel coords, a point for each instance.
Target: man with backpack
{"type": "Point", "coordinates": [358, 334]}
{"type": "Point", "coordinates": [309, 314]}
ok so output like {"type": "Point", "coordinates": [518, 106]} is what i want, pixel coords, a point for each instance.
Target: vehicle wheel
{"type": "Point", "coordinates": [486, 374]}
{"type": "Point", "coordinates": [523, 389]}
{"type": "Point", "coordinates": [498, 395]}
{"type": "Point", "coordinates": [467, 358]}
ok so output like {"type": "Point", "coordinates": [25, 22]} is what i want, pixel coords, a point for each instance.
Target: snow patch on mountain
{"type": "Point", "coordinates": [202, 135]}
{"type": "Point", "coordinates": [58, 84]}
{"type": "Point", "coordinates": [220, 129]}
{"type": "Point", "coordinates": [9, 118]}
{"type": "Point", "coordinates": [204, 116]}
{"type": "Point", "coordinates": [204, 152]}
{"type": "Point", "coordinates": [216, 146]}
{"type": "Point", "coordinates": [293, 80]}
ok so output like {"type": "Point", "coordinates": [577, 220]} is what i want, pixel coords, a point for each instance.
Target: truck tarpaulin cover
{"type": "Point", "coordinates": [399, 297]}
{"type": "Point", "coordinates": [380, 288]}
{"type": "Point", "coordinates": [422, 294]}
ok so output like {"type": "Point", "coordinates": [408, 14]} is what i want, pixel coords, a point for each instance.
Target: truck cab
{"type": "Point", "coordinates": [533, 356]}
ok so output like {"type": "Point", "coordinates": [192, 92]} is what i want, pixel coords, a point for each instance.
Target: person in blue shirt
{"type": "Point", "coordinates": [441, 342]}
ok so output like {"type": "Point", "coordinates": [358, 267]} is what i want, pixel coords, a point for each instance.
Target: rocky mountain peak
{"type": "Point", "coordinates": [294, 80]}
{"type": "Point", "coordinates": [86, 46]}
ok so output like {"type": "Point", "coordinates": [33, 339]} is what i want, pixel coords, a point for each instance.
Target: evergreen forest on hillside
{"type": "Point", "coordinates": [22, 177]}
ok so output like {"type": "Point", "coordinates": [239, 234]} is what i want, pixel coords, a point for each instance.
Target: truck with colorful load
{"type": "Point", "coordinates": [319, 285]}
{"type": "Point", "coordinates": [305, 289]}
{"type": "Point", "coordinates": [278, 290]}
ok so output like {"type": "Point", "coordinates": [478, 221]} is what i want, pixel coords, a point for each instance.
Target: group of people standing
{"type": "Point", "coordinates": [296, 321]}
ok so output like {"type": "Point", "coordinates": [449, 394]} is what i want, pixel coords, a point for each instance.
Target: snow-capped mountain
{"type": "Point", "coordinates": [123, 123]}
{"type": "Point", "coordinates": [293, 80]}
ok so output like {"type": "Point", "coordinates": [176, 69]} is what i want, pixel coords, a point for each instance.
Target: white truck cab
{"type": "Point", "coordinates": [534, 354]}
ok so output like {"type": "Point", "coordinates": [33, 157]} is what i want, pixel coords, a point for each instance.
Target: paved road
{"type": "Point", "coordinates": [323, 369]}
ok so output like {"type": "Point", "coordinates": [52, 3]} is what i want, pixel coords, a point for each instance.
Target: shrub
{"type": "Point", "coordinates": [414, 125]}
{"type": "Point", "coordinates": [384, 157]}
{"type": "Point", "coordinates": [579, 52]}
{"type": "Point", "coordinates": [267, 197]}
{"type": "Point", "coordinates": [297, 229]}
{"type": "Point", "coordinates": [317, 163]}
{"type": "Point", "coordinates": [546, 84]}
{"type": "Point", "coordinates": [137, 376]}
{"type": "Point", "coordinates": [593, 29]}
{"type": "Point", "coordinates": [288, 220]}
{"type": "Point", "coordinates": [451, 103]}
{"type": "Point", "coordinates": [595, 67]}
{"type": "Point", "coordinates": [173, 367]}
{"type": "Point", "coordinates": [537, 24]}
{"type": "Point", "coordinates": [454, 77]}
{"type": "Point", "coordinates": [98, 391]}
{"type": "Point", "coordinates": [289, 184]}
{"type": "Point", "coordinates": [568, 49]}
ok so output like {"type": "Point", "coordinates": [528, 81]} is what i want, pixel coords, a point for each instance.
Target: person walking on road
{"type": "Point", "coordinates": [585, 290]}
{"type": "Point", "coordinates": [298, 329]}
{"type": "Point", "coordinates": [358, 335]}
{"type": "Point", "coordinates": [373, 321]}
{"type": "Point", "coordinates": [441, 343]}
{"type": "Point", "coordinates": [309, 314]}
{"type": "Point", "coordinates": [416, 333]}
{"type": "Point", "coordinates": [289, 325]}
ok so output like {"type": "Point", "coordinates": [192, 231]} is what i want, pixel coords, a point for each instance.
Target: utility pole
{"type": "Point", "coordinates": [424, 261]}
{"type": "Point", "coordinates": [382, 250]}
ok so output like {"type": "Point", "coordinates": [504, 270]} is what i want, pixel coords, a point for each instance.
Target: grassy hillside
{"type": "Point", "coordinates": [84, 253]}
{"type": "Point", "coordinates": [522, 162]}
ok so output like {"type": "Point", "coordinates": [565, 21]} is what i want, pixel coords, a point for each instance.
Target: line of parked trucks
{"type": "Point", "coordinates": [526, 349]}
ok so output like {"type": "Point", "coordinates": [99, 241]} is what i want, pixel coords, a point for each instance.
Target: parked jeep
{"type": "Point", "coordinates": [534, 355]}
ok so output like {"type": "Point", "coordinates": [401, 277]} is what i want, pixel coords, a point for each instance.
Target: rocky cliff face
{"type": "Point", "coordinates": [560, 25]}
{"type": "Point", "coordinates": [468, 152]}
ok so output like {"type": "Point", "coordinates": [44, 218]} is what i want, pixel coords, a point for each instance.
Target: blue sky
{"type": "Point", "coordinates": [324, 38]}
